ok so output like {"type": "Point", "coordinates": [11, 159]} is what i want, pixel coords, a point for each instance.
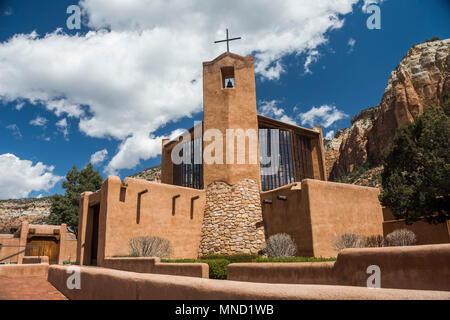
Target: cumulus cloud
{"type": "Point", "coordinates": [324, 116]}
{"type": "Point", "coordinates": [272, 110]}
{"type": "Point", "coordinates": [39, 121]}
{"type": "Point", "coordinates": [20, 177]}
{"type": "Point", "coordinates": [140, 66]}
{"type": "Point", "coordinates": [135, 148]}
{"type": "Point", "coordinates": [99, 157]}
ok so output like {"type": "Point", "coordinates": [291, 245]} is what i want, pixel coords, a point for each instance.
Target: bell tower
{"type": "Point", "coordinates": [229, 106]}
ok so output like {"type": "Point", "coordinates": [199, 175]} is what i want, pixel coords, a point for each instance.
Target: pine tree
{"type": "Point", "coordinates": [64, 209]}
{"type": "Point", "coordinates": [416, 177]}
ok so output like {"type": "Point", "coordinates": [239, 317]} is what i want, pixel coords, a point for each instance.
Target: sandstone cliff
{"type": "Point", "coordinates": [417, 83]}
{"type": "Point", "coordinates": [13, 212]}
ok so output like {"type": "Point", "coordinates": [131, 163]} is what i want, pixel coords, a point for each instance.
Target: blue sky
{"type": "Point", "coordinates": [47, 127]}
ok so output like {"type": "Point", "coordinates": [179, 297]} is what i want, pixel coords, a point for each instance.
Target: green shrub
{"type": "Point", "coordinates": [293, 259]}
{"type": "Point", "coordinates": [235, 258]}
{"type": "Point", "coordinates": [69, 262]}
{"type": "Point", "coordinates": [217, 267]}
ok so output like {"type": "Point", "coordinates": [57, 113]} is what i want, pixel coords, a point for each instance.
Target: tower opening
{"type": "Point", "coordinates": [228, 80]}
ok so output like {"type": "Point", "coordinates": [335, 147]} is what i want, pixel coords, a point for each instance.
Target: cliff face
{"type": "Point", "coordinates": [417, 83]}
{"type": "Point", "coordinates": [13, 212]}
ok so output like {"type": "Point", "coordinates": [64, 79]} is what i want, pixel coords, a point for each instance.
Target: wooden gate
{"type": "Point", "coordinates": [49, 246]}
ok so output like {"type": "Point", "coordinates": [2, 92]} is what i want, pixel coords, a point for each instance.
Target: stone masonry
{"type": "Point", "coordinates": [232, 221]}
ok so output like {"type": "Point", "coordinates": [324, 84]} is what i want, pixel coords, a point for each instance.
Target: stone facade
{"type": "Point", "coordinates": [233, 220]}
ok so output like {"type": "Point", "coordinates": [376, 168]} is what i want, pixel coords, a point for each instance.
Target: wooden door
{"type": "Point", "coordinates": [48, 246]}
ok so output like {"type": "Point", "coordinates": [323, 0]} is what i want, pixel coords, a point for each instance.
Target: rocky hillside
{"type": "Point", "coordinates": [150, 174]}
{"type": "Point", "coordinates": [13, 212]}
{"type": "Point", "coordinates": [417, 83]}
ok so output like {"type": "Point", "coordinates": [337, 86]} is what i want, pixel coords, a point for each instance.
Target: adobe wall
{"type": "Point", "coordinates": [337, 208]}
{"type": "Point", "coordinates": [415, 267]}
{"type": "Point", "coordinates": [120, 220]}
{"type": "Point", "coordinates": [315, 212]}
{"type": "Point", "coordinates": [9, 240]}
{"type": "Point", "coordinates": [69, 253]}
{"type": "Point", "coordinates": [107, 284]}
{"type": "Point", "coordinates": [425, 232]}
{"type": "Point", "coordinates": [289, 216]}
{"type": "Point", "coordinates": [233, 219]}
{"type": "Point", "coordinates": [24, 270]}
{"type": "Point", "coordinates": [154, 265]}
{"type": "Point", "coordinates": [35, 259]}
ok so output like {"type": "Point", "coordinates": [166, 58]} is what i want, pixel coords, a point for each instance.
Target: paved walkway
{"type": "Point", "coordinates": [30, 288]}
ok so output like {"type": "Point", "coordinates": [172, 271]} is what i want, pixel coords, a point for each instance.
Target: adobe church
{"type": "Point", "coordinates": [229, 207]}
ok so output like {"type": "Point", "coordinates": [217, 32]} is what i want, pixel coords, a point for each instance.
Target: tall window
{"type": "Point", "coordinates": [190, 172]}
{"type": "Point", "coordinates": [285, 158]}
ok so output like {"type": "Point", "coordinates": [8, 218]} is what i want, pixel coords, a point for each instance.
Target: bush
{"type": "Point", "coordinates": [150, 247]}
{"type": "Point", "coordinates": [347, 240]}
{"type": "Point", "coordinates": [217, 267]}
{"type": "Point", "coordinates": [374, 241]}
{"type": "Point", "coordinates": [234, 258]}
{"type": "Point", "coordinates": [401, 237]}
{"type": "Point", "coordinates": [293, 259]}
{"type": "Point", "coordinates": [280, 245]}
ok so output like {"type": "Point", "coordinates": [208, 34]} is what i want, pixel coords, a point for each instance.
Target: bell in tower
{"type": "Point", "coordinates": [229, 84]}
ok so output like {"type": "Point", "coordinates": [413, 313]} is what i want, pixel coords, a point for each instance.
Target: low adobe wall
{"type": "Point", "coordinates": [24, 270]}
{"type": "Point", "coordinates": [34, 259]}
{"type": "Point", "coordinates": [417, 267]}
{"type": "Point", "coordinates": [106, 284]}
{"type": "Point", "coordinates": [153, 265]}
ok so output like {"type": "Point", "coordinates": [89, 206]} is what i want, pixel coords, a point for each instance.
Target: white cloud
{"type": "Point", "coordinates": [20, 105]}
{"type": "Point", "coordinates": [351, 44]}
{"type": "Point", "coordinates": [39, 121]}
{"type": "Point", "coordinates": [330, 135]}
{"type": "Point", "coordinates": [137, 147]}
{"type": "Point", "coordinates": [324, 116]}
{"type": "Point", "coordinates": [63, 126]}
{"type": "Point", "coordinates": [367, 3]}
{"type": "Point", "coordinates": [270, 109]}
{"type": "Point", "coordinates": [15, 130]}
{"type": "Point", "coordinates": [312, 57]}
{"type": "Point", "coordinates": [130, 80]}
{"type": "Point", "coordinates": [20, 177]}
{"type": "Point", "coordinates": [99, 157]}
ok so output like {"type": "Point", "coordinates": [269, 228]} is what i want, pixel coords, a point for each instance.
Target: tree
{"type": "Point", "coordinates": [64, 209]}
{"type": "Point", "coordinates": [416, 177]}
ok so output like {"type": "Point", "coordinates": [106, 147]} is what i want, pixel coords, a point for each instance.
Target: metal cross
{"type": "Point", "coordinates": [227, 41]}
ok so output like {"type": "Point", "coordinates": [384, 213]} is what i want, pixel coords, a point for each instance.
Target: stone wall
{"type": "Point", "coordinates": [233, 219]}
